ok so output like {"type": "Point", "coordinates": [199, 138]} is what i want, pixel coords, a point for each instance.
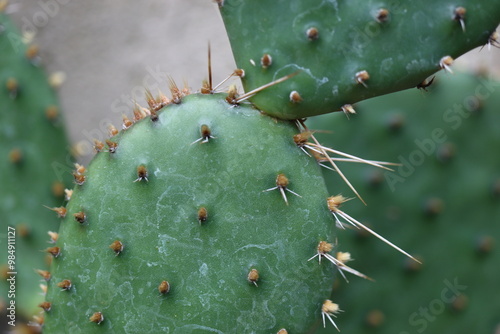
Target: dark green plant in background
{"type": "Point", "coordinates": [448, 185]}
{"type": "Point", "coordinates": [33, 153]}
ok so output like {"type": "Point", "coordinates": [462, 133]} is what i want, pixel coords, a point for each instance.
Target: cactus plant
{"type": "Point", "coordinates": [211, 212]}
{"type": "Point", "coordinates": [33, 154]}
{"type": "Point", "coordinates": [447, 185]}
{"type": "Point", "coordinates": [348, 51]}
{"type": "Point", "coordinates": [202, 214]}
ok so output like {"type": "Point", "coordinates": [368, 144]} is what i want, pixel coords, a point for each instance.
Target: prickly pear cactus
{"type": "Point", "coordinates": [347, 51]}
{"type": "Point", "coordinates": [199, 218]}
{"type": "Point", "coordinates": [442, 202]}
{"type": "Point", "coordinates": [33, 153]}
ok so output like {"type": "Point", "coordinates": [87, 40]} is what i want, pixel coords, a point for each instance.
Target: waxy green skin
{"type": "Point", "coordinates": [397, 54]}
{"type": "Point", "coordinates": [460, 115]}
{"type": "Point", "coordinates": [206, 264]}
{"type": "Point", "coordinates": [27, 186]}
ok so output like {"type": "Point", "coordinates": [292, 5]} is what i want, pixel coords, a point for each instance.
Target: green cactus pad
{"type": "Point", "coordinates": [347, 51]}
{"type": "Point", "coordinates": [443, 203]}
{"type": "Point", "coordinates": [182, 204]}
{"type": "Point", "coordinates": [33, 156]}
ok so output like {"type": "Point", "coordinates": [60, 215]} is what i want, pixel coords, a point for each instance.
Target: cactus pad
{"type": "Point", "coordinates": [172, 229]}
{"type": "Point", "coordinates": [348, 51]}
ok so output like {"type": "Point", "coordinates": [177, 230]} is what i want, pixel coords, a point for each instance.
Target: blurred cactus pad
{"type": "Point", "coordinates": [33, 156]}
{"type": "Point", "coordinates": [348, 51]}
{"type": "Point", "coordinates": [172, 229]}
{"type": "Point", "coordinates": [443, 203]}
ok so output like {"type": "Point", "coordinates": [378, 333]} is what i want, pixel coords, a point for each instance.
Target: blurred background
{"type": "Point", "coordinates": [109, 52]}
